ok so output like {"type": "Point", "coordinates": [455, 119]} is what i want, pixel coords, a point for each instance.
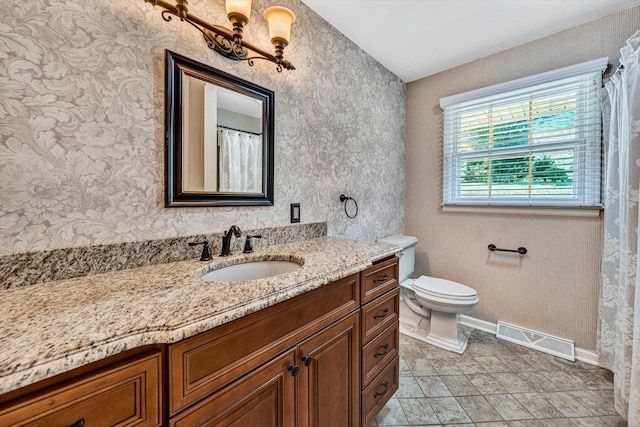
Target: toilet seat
{"type": "Point", "coordinates": [442, 289]}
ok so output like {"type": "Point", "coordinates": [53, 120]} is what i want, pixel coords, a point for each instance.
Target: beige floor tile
{"type": "Point", "coordinates": [493, 380]}
{"type": "Point", "coordinates": [391, 415]}
{"type": "Point", "coordinates": [512, 382]}
{"type": "Point", "coordinates": [478, 408]}
{"type": "Point", "coordinates": [540, 362]}
{"type": "Point", "coordinates": [432, 352]}
{"type": "Point", "coordinates": [487, 384]}
{"type": "Point", "coordinates": [460, 385]}
{"type": "Point", "coordinates": [433, 387]}
{"type": "Point", "coordinates": [408, 387]}
{"type": "Point", "coordinates": [537, 405]}
{"type": "Point", "coordinates": [563, 380]}
{"type": "Point", "coordinates": [446, 367]}
{"type": "Point", "coordinates": [411, 351]}
{"type": "Point", "coordinates": [594, 402]}
{"type": "Point", "coordinates": [613, 421]}
{"type": "Point", "coordinates": [480, 349]}
{"type": "Point", "coordinates": [405, 370]}
{"type": "Point", "coordinates": [470, 366]}
{"type": "Point", "coordinates": [557, 422]}
{"type": "Point", "coordinates": [516, 363]}
{"type": "Point", "coordinates": [592, 380]}
{"type": "Point", "coordinates": [567, 404]}
{"type": "Point", "coordinates": [525, 423]}
{"type": "Point", "coordinates": [448, 410]}
{"type": "Point", "coordinates": [419, 412]}
{"type": "Point", "coordinates": [509, 407]}
{"type": "Point", "coordinates": [421, 367]}
{"type": "Point", "coordinates": [493, 364]}
{"type": "Point", "coordinates": [538, 381]}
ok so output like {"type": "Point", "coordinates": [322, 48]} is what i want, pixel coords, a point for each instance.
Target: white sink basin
{"type": "Point", "coordinates": [251, 271]}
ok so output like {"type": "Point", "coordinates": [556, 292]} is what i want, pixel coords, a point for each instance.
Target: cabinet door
{"type": "Point", "coordinates": [263, 398]}
{"type": "Point", "coordinates": [126, 394]}
{"type": "Point", "coordinates": [329, 376]}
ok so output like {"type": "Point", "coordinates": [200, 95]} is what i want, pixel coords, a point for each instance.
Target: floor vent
{"type": "Point", "coordinates": [537, 340]}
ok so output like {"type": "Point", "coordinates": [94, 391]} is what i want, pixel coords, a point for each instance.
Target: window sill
{"type": "Point", "coordinates": [525, 210]}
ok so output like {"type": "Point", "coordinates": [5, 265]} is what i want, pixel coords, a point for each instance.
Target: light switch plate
{"type": "Point", "coordinates": [295, 212]}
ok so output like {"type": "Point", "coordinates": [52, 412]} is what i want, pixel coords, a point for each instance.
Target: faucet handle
{"type": "Point", "coordinates": [248, 245]}
{"type": "Point", "coordinates": [206, 250]}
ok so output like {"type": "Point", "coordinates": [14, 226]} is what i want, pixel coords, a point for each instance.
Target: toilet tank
{"type": "Point", "coordinates": [408, 254]}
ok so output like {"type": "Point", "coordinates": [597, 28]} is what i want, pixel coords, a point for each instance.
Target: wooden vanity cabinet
{"type": "Point", "coordinates": [380, 338]}
{"type": "Point", "coordinates": [302, 353]}
{"type": "Point", "coordinates": [325, 358]}
{"type": "Point", "coordinates": [125, 394]}
{"type": "Point", "coordinates": [314, 384]}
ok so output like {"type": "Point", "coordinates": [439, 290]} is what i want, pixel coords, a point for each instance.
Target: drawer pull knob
{"type": "Point", "coordinates": [386, 388]}
{"type": "Point", "coordinates": [78, 423]}
{"type": "Point", "coordinates": [381, 279]}
{"type": "Point", "coordinates": [307, 360]}
{"type": "Point", "coordinates": [380, 353]}
{"type": "Point", "coordinates": [384, 313]}
{"type": "Point", "coordinates": [294, 369]}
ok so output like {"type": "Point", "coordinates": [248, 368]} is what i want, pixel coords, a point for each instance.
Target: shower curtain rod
{"type": "Point", "coordinates": [238, 130]}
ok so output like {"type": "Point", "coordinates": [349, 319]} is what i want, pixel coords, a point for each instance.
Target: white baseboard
{"type": "Point", "coordinates": [483, 325]}
{"type": "Point", "coordinates": [588, 357]}
{"type": "Point", "coordinates": [581, 354]}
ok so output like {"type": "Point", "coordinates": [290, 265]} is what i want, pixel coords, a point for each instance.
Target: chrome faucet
{"type": "Point", "coordinates": [234, 230]}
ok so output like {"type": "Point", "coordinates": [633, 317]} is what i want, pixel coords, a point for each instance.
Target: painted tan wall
{"type": "Point", "coordinates": [554, 289]}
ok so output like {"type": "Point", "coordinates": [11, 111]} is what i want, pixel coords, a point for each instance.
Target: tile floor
{"type": "Point", "coordinates": [497, 384]}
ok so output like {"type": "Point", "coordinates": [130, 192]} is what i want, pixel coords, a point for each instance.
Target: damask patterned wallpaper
{"type": "Point", "coordinates": [82, 125]}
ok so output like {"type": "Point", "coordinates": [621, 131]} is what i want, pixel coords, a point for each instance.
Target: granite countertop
{"type": "Point", "coordinates": [50, 328]}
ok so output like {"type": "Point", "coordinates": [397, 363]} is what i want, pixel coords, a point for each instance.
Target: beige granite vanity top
{"type": "Point", "coordinates": [50, 328]}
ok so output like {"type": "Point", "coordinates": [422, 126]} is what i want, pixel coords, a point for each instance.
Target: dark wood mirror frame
{"type": "Point", "coordinates": [176, 196]}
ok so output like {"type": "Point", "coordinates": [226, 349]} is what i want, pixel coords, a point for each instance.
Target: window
{"type": "Point", "coordinates": [530, 142]}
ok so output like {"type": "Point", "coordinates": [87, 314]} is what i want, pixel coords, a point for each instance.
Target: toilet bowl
{"type": "Point", "coordinates": [441, 301]}
{"type": "Point", "coordinates": [430, 307]}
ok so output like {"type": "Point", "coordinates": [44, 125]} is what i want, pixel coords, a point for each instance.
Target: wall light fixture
{"type": "Point", "coordinates": [229, 43]}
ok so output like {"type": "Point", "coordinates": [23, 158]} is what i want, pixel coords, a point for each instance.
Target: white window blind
{"type": "Point", "coordinates": [530, 142]}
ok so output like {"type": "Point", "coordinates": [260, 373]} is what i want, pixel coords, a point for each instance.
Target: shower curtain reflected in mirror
{"type": "Point", "coordinates": [240, 161]}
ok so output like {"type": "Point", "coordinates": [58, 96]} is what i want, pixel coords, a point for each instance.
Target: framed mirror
{"type": "Point", "coordinates": [219, 137]}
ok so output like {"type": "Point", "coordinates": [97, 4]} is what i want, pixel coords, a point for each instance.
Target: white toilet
{"type": "Point", "coordinates": [430, 307]}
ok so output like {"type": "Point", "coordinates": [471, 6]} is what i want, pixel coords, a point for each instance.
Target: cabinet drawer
{"type": "Point", "coordinates": [205, 363]}
{"type": "Point", "coordinates": [127, 394]}
{"type": "Point", "coordinates": [379, 279]}
{"type": "Point", "coordinates": [378, 393]}
{"type": "Point", "coordinates": [379, 352]}
{"type": "Point", "coordinates": [380, 314]}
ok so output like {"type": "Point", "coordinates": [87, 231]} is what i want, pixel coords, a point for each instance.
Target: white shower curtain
{"type": "Point", "coordinates": [240, 161]}
{"type": "Point", "coordinates": [619, 327]}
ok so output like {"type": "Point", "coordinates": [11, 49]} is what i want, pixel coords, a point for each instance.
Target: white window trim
{"type": "Point", "coordinates": [512, 206]}
{"type": "Point", "coordinates": [546, 77]}
{"type": "Point", "coordinates": [590, 212]}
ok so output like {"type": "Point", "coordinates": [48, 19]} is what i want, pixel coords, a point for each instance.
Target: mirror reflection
{"type": "Point", "coordinates": [222, 150]}
{"type": "Point", "coordinates": [219, 137]}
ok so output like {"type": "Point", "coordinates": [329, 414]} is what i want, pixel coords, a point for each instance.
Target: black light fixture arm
{"type": "Point", "coordinates": [228, 43]}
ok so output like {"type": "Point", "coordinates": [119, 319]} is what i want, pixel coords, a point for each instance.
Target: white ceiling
{"type": "Point", "coordinates": [417, 38]}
